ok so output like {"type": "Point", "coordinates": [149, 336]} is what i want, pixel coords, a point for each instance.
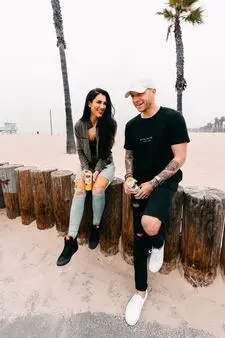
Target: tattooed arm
{"type": "Point", "coordinates": [129, 170]}
{"type": "Point", "coordinates": [129, 163]}
{"type": "Point", "coordinates": [179, 152]}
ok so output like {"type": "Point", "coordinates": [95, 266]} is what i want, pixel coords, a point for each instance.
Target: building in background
{"type": "Point", "coordinates": [8, 128]}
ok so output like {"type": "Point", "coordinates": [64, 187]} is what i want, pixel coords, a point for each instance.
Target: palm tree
{"type": "Point", "coordinates": [209, 126]}
{"type": "Point", "coordinates": [222, 120]}
{"type": "Point", "coordinates": [58, 23]}
{"type": "Point", "coordinates": [181, 11]}
{"type": "Point", "coordinates": [216, 123]}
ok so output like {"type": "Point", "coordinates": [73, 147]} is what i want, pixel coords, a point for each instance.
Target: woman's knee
{"type": "Point", "coordinates": [98, 190]}
{"type": "Point", "coordinates": [79, 192]}
{"type": "Point", "coordinates": [80, 186]}
{"type": "Point", "coordinates": [150, 224]}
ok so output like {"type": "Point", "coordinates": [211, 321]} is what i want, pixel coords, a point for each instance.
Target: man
{"type": "Point", "coordinates": [155, 144]}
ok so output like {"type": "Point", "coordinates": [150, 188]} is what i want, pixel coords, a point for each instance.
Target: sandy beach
{"type": "Point", "coordinates": [204, 165]}
{"type": "Point", "coordinates": [31, 286]}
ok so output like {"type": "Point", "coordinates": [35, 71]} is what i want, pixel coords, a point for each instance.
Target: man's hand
{"type": "Point", "coordinates": [145, 190]}
{"type": "Point", "coordinates": [95, 175]}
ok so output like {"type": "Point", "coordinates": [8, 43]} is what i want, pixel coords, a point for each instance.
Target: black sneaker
{"type": "Point", "coordinates": [70, 247]}
{"type": "Point", "coordinates": [94, 237]}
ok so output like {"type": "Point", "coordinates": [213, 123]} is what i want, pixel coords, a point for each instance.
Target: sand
{"type": "Point", "coordinates": [32, 286]}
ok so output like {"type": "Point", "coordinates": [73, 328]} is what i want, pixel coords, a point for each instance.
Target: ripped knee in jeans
{"type": "Point", "coordinates": [79, 192]}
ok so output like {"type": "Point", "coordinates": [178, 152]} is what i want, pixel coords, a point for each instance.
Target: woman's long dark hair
{"type": "Point", "coordinates": [106, 124]}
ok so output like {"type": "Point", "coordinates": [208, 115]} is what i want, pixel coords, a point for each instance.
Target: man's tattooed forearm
{"type": "Point", "coordinates": [129, 163]}
{"type": "Point", "coordinates": [168, 172]}
{"type": "Point", "coordinates": [173, 166]}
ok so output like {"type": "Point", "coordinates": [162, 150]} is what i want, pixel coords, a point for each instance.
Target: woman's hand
{"type": "Point", "coordinates": [127, 190]}
{"type": "Point", "coordinates": [95, 175]}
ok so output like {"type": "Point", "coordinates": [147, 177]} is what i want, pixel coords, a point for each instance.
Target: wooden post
{"type": "Point", "coordinates": [62, 193]}
{"type": "Point", "coordinates": [172, 233]}
{"type": "Point", "coordinates": [222, 257]}
{"type": "Point", "coordinates": [2, 202]}
{"type": "Point", "coordinates": [127, 229]}
{"type": "Point", "coordinates": [9, 189]}
{"type": "Point", "coordinates": [42, 193]}
{"type": "Point", "coordinates": [112, 219]}
{"type": "Point", "coordinates": [25, 194]}
{"type": "Point", "coordinates": [202, 228]}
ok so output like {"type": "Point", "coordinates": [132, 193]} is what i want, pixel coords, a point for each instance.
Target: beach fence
{"type": "Point", "coordinates": [195, 235]}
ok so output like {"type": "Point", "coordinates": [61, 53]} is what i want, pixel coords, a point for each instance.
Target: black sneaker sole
{"type": "Point", "coordinates": [65, 261]}
{"type": "Point", "coordinates": [93, 245]}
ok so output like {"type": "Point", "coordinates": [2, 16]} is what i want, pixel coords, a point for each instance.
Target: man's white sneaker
{"type": "Point", "coordinates": [134, 307]}
{"type": "Point", "coordinates": [156, 259]}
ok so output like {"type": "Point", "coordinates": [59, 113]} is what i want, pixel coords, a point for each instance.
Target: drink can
{"type": "Point", "coordinates": [88, 180]}
{"type": "Point", "coordinates": [131, 183]}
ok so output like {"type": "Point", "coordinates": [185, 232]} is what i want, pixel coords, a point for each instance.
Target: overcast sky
{"type": "Point", "coordinates": [109, 43]}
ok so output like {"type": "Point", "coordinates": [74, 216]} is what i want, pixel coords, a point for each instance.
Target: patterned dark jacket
{"type": "Point", "coordinates": [83, 148]}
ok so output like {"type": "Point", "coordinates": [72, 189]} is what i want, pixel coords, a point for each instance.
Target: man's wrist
{"type": "Point", "coordinates": [159, 179]}
{"type": "Point", "coordinates": [154, 182]}
{"type": "Point", "coordinates": [128, 175]}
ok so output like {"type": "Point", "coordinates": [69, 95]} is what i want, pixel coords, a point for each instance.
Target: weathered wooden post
{"type": "Point", "coordinates": [202, 228]}
{"type": "Point", "coordinates": [222, 257]}
{"type": "Point", "coordinates": [9, 189]}
{"type": "Point", "coordinates": [2, 203]}
{"type": "Point", "coordinates": [172, 233]}
{"type": "Point", "coordinates": [42, 194]}
{"type": "Point", "coordinates": [25, 194]}
{"type": "Point", "coordinates": [127, 229]}
{"type": "Point", "coordinates": [112, 219]}
{"type": "Point", "coordinates": [62, 193]}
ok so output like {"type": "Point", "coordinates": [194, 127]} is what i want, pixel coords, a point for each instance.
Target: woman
{"type": "Point", "coordinates": [95, 134]}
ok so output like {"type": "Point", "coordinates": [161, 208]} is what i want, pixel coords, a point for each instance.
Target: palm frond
{"type": "Point", "coordinates": [173, 3]}
{"type": "Point", "coordinates": [195, 16]}
{"type": "Point", "coordinates": [169, 32]}
{"type": "Point", "coordinates": [189, 3]}
{"type": "Point", "coordinates": [168, 15]}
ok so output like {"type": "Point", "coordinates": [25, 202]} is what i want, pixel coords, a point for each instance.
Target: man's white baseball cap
{"type": "Point", "coordinates": [140, 86]}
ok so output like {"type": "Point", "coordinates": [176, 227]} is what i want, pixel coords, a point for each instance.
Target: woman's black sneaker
{"type": "Point", "coordinates": [70, 247]}
{"type": "Point", "coordinates": [94, 237]}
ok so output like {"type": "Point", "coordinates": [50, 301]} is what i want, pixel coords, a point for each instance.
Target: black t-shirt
{"type": "Point", "coordinates": [92, 145]}
{"type": "Point", "coordinates": [151, 139]}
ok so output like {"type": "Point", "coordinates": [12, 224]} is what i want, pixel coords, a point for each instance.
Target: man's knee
{"type": "Point", "coordinates": [151, 225]}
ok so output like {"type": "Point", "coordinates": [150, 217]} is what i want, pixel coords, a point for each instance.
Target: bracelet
{"type": "Point", "coordinates": [154, 182]}
{"type": "Point", "coordinates": [158, 179]}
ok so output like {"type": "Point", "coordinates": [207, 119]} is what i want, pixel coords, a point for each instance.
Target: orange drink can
{"type": "Point", "coordinates": [88, 180]}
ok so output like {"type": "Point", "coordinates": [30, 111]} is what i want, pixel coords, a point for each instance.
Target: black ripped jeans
{"type": "Point", "coordinates": [142, 244]}
{"type": "Point", "coordinates": [157, 205]}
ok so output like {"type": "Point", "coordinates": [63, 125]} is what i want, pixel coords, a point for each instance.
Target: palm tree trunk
{"type": "Point", "coordinates": [58, 23]}
{"type": "Point", "coordinates": [179, 101]}
{"type": "Point", "coordinates": [70, 142]}
{"type": "Point", "coordinates": [180, 81]}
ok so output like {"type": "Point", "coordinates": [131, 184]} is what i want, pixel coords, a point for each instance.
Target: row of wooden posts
{"type": "Point", "coordinates": [195, 236]}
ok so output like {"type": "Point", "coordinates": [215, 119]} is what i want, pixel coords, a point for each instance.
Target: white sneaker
{"type": "Point", "coordinates": [156, 259]}
{"type": "Point", "coordinates": [134, 307]}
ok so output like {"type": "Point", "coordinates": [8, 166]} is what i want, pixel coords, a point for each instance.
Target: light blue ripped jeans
{"type": "Point", "coordinates": [98, 202]}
